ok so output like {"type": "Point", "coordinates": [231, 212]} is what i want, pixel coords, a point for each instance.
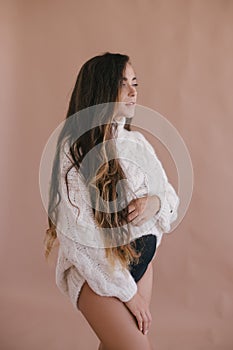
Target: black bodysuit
{"type": "Point", "coordinates": [147, 246]}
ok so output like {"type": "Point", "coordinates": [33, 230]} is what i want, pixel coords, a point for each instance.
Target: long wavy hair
{"type": "Point", "coordinates": [98, 83]}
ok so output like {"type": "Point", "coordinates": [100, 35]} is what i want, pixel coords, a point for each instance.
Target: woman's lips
{"type": "Point", "coordinates": [130, 103]}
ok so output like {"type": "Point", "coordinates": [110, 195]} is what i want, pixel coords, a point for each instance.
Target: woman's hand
{"type": "Point", "coordinates": [140, 309]}
{"type": "Point", "coordinates": [143, 209]}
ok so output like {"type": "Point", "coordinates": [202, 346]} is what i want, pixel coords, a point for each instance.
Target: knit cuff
{"type": "Point", "coordinates": [127, 293]}
{"type": "Point", "coordinates": [169, 209]}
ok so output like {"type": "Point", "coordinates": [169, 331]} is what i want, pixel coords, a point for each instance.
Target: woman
{"type": "Point", "coordinates": [111, 285]}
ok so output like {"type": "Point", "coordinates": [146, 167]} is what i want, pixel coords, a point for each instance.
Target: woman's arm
{"type": "Point", "coordinates": [145, 284]}
{"type": "Point", "coordinates": [169, 209]}
{"type": "Point", "coordinates": [168, 198]}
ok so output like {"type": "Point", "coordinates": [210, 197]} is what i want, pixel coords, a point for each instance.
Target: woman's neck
{"type": "Point", "coordinates": [120, 122]}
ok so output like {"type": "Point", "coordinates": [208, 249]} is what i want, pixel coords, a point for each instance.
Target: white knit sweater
{"type": "Point", "coordinates": [80, 258]}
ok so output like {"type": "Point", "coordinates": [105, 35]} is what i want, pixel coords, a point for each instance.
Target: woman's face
{"type": "Point", "coordinates": [128, 92]}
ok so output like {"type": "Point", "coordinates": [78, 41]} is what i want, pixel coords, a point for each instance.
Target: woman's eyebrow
{"type": "Point", "coordinates": [124, 78]}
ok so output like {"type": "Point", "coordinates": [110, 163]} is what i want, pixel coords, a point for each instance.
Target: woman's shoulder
{"type": "Point", "coordinates": [140, 138]}
{"type": "Point", "coordinates": [140, 145]}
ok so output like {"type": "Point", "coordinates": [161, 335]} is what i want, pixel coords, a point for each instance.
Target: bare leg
{"type": "Point", "coordinates": [101, 347]}
{"type": "Point", "coordinates": [145, 289]}
{"type": "Point", "coordinates": [112, 322]}
{"type": "Point", "coordinates": [145, 284]}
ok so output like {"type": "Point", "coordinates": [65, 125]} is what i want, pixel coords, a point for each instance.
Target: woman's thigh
{"type": "Point", "coordinates": [145, 284]}
{"type": "Point", "coordinates": [112, 321]}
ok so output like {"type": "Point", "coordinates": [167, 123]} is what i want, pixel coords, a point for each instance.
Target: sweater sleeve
{"type": "Point", "coordinates": [92, 264]}
{"type": "Point", "coordinates": [89, 260]}
{"type": "Point", "coordinates": [169, 209]}
{"type": "Point", "coordinates": [169, 201]}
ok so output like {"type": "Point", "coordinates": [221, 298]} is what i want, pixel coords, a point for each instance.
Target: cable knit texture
{"type": "Point", "coordinates": [80, 258]}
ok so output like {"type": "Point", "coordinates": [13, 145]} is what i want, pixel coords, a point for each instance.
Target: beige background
{"type": "Point", "coordinates": [182, 52]}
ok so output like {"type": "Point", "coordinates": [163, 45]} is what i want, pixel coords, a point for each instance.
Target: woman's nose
{"type": "Point", "coordinates": [132, 90]}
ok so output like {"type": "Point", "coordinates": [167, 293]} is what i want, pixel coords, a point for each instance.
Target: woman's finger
{"type": "Point", "coordinates": [145, 322]}
{"type": "Point", "coordinates": [131, 208]}
{"type": "Point", "coordinates": [133, 216]}
{"type": "Point", "coordinates": [139, 320]}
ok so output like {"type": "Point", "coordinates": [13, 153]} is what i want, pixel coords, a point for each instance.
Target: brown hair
{"type": "Point", "coordinates": [98, 82]}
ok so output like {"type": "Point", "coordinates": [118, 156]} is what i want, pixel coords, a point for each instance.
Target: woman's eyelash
{"type": "Point", "coordinates": [136, 84]}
